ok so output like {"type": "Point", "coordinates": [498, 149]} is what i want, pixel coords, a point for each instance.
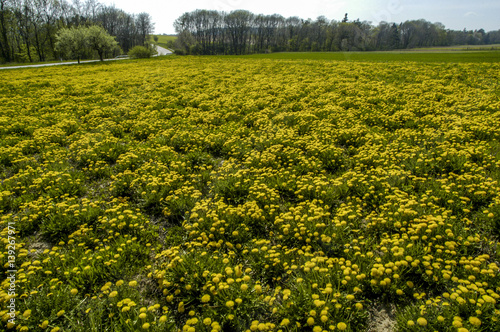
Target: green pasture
{"type": "Point", "coordinates": [389, 56]}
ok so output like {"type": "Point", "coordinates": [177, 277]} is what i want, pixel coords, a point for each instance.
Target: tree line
{"type": "Point", "coordinates": [28, 28]}
{"type": "Point", "coordinates": [242, 32]}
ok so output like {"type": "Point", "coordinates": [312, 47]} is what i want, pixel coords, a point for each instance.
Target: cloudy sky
{"type": "Point", "coordinates": [454, 14]}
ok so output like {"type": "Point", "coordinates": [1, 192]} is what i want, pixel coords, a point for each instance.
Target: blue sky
{"type": "Point", "coordinates": [454, 14]}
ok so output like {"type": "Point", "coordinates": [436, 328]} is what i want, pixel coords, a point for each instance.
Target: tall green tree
{"type": "Point", "coordinates": [4, 41]}
{"type": "Point", "coordinates": [73, 42]}
{"type": "Point", "coordinates": [101, 41]}
{"type": "Point", "coordinates": [238, 25]}
{"type": "Point", "coordinates": [145, 27]}
{"type": "Point", "coordinates": [28, 28]}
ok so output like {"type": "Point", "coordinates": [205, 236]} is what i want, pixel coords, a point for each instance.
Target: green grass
{"type": "Point", "coordinates": [163, 40]}
{"type": "Point", "coordinates": [14, 64]}
{"type": "Point", "coordinates": [420, 55]}
{"type": "Point", "coordinates": [390, 56]}
{"type": "Point", "coordinates": [491, 47]}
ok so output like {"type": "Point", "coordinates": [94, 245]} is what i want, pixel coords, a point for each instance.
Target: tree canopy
{"type": "Point", "coordinates": [75, 42]}
{"type": "Point", "coordinates": [100, 41]}
{"type": "Point", "coordinates": [240, 31]}
{"type": "Point", "coordinates": [72, 42]}
{"type": "Point", "coordinates": [28, 28]}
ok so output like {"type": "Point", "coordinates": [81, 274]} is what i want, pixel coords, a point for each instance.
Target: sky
{"type": "Point", "coordinates": [454, 14]}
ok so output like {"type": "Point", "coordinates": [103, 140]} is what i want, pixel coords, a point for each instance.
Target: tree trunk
{"type": "Point", "coordinates": [52, 44]}
{"type": "Point", "coordinates": [5, 44]}
{"type": "Point", "coordinates": [38, 46]}
{"type": "Point", "coordinates": [28, 47]}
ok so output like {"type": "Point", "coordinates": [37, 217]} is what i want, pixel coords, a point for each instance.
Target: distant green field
{"type": "Point", "coordinates": [491, 47]}
{"type": "Point", "coordinates": [163, 39]}
{"type": "Point", "coordinates": [431, 56]}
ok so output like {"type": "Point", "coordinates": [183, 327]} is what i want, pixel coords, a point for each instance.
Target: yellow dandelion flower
{"type": "Point", "coordinates": [475, 321]}
{"type": "Point", "coordinates": [489, 299]}
{"type": "Point", "coordinates": [285, 322]}
{"type": "Point", "coordinates": [422, 321]}
{"type": "Point", "coordinates": [258, 289]}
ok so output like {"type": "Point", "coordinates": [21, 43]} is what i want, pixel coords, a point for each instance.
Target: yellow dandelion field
{"type": "Point", "coordinates": [240, 194]}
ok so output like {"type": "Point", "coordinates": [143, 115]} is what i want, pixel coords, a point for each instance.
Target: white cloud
{"type": "Point", "coordinates": [469, 14]}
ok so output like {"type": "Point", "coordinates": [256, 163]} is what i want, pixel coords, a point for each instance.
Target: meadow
{"type": "Point", "coordinates": [163, 40]}
{"type": "Point", "coordinates": [414, 55]}
{"type": "Point", "coordinates": [251, 194]}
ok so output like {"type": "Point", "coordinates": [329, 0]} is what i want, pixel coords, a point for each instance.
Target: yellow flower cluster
{"type": "Point", "coordinates": [210, 194]}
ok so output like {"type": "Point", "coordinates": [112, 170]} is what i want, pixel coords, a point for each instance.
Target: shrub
{"type": "Point", "coordinates": [140, 52]}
